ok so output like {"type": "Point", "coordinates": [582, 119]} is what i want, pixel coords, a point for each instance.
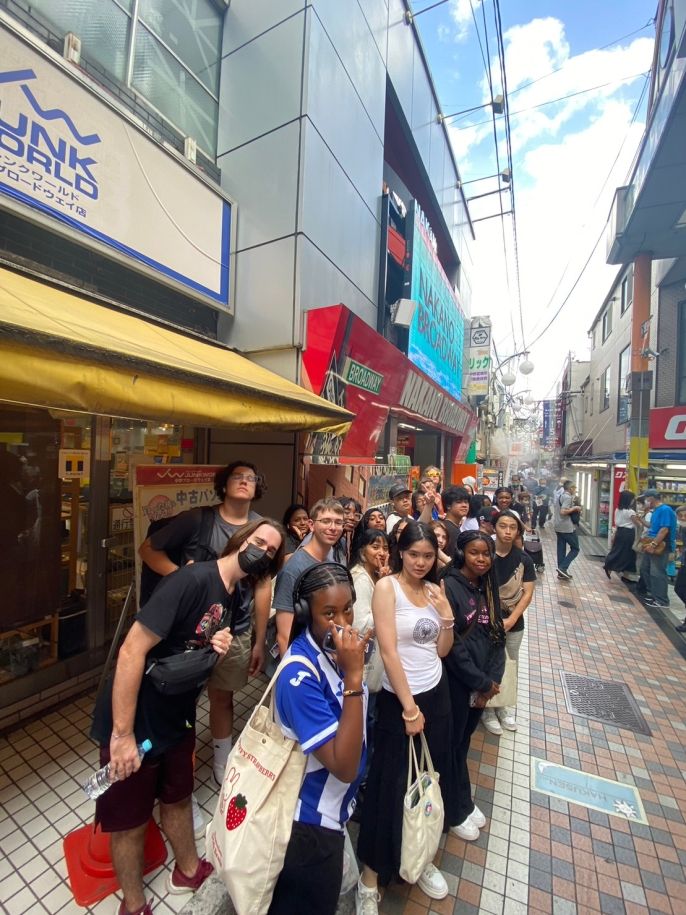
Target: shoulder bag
{"type": "Point", "coordinates": [251, 827]}
{"type": "Point", "coordinates": [422, 814]}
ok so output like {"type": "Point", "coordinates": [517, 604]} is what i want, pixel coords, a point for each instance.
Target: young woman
{"type": "Point", "coordinates": [622, 556]}
{"type": "Point", "coordinates": [373, 518]}
{"type": "Point", "coordinates": [352, 515]}
{"type": "Point", "coordinates": [369, 563]}
{"type": "Point", "coordinates": [414, 629]}
{"type": "Point", "coordinates": [476, 662]}
{"type": "Point", "coordinates": [418, 503]}
{"type": "Point", "coordinates": [443, 539]}
{"type": "Point", "coordinates": [504, 499]}
{"type": "Point", "coordinates": [296, 521]}
{"type": "Point", "coordinates": [326, 714]}
{"type": "Point", "coordinates": [471, 522]}
{"type": "Point", "coordinates": [516, 577]}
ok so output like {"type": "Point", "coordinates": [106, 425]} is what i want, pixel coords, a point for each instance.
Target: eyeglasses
{"type": "Point", "coordinates": [353, 514]}
{"type": "Point", "coordinates": [248, 477]}
{"type": "Point", "coordinates": [330, 522]}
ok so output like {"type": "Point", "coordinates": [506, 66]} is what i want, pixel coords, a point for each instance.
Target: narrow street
{"type": "Point", "coordinates": [538, 854]}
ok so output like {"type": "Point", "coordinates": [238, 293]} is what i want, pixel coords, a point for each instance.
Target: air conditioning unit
{"type": "Point", "coordinates": [402, 312]}
{"type": "Point", "coordinates": [72, 48]}
{"type": "Point", "coordinates": [190, 149]}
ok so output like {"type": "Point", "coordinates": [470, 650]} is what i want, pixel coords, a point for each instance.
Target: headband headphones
{"type": "Point", "coordinates": [458, 553]}
{"type": "Point", "coordinates": [301, 605]}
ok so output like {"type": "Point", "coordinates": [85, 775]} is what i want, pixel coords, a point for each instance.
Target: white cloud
{"type": "Point", "coordinates": [461, 13]}
{"type": "Point", "coordinates": [562, 156]}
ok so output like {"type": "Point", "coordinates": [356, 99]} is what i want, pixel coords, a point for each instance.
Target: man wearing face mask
{"type": "Point", "coordinates": [192, 608]}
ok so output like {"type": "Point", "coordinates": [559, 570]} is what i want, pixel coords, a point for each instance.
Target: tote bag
{"type": "Point", "coordinates": [507, 697]}
{"type": "Point", "coordinates": [422, 814]}
{"type": "Point", "coordinates": [251, 827]}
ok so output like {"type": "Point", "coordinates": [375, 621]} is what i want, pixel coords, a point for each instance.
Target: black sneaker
{"type": "Point", "coordinates": [565, 576]}
{"type": "Point", "coordinates": [681, 627]}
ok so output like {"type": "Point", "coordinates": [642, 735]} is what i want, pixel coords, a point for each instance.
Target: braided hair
{"type": "Point", "coordinates": [318, 578]}
{"type": "Point", "coordinates": [489, 584]}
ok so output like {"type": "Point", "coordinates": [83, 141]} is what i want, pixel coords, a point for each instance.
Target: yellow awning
{"type": "Point", "coordinates": [63, 351]}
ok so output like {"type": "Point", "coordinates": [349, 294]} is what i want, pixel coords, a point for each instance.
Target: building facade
{"type": "Point", "coordinates": [181, 183]}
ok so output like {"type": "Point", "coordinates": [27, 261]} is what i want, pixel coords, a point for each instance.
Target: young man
{"type": "Point", "coordinates": [401, 497]}
{"type": "Point", "coordinates": [563, 524]}
{"type": "Point", "coordinates": [456, 505]}
{"type": "Point", "coordinates": [327, 520]}
{"type": "Point", "coordinates": [238, 485]}
{"type": "Point", "coordinates": [541, 498]}
{"type": "Point", "coordinates": [655, 558]}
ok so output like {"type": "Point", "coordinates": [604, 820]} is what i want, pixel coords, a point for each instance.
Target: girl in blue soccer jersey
{"type": "Point", "coordinates": [324, 708]}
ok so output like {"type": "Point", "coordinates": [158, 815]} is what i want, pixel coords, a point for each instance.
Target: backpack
{"type": "Point", "coordinates": [203, 551]}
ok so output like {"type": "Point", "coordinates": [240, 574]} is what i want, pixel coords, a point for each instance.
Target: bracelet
{"type": "Point", "coordinates": [448, 626]}
{"type": "Point", "coordinates": [413, 718]}
{"type": "Point", "coordinates": [121, 736]}
{"type": "Point", "coordinates": [353, 692]}
{"type": "Point", "coordinates": [448, 619]}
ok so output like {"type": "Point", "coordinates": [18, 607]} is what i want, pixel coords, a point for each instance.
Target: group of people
{"type": "Point", "coordinates": [438, 582]}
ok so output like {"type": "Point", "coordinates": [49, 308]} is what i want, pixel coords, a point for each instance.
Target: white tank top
{"type": "Point", "coordinates": [417, 631]}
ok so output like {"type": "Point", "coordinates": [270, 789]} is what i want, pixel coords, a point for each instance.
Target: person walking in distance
{"type": "Point", "coordinates": [563, 524]}
{"type": "Point", "coordinates": [661, 536]}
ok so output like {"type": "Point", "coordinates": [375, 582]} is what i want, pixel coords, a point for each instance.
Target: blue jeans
{"type": "Point", "coordinates": [564, 540]}
{"type": "Point", "coordinates": [654, 575]}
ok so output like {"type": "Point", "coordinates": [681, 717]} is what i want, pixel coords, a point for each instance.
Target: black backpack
{"type": "Point", "coordinates": [203, 551]}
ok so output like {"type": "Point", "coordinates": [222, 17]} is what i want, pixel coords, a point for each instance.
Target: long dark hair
{"type": "Point", "coordinates": [365, 539]}
{"type": "Point", "coordinates": [627, 499]}
{"type": "Point", "coordinates": [362, 527]}
{"type": "Point", "coordinates": [413, 533]}
{"type": "Point", "coordinates": [476, 503]}
{"type": "Point", "coordinates": [488, 581]}
{"type": "Point", "coordinates": [317, 578]}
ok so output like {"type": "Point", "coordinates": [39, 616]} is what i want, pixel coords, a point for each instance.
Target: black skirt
{"type": "Point", "coordinates": [382, 812]}
{"type": "Point", "coordinates": [622, 556]}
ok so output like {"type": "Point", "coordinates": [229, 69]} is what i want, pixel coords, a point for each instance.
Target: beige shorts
{"type": "Point", "coordinates": [231, 673]}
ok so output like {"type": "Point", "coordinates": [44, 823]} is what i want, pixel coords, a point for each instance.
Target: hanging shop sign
{"type": "Point", "coordinates": [436, 337]}
{"type": "Point", "coordinates": [68, 157]}
{"type": "Point", "coordinates": [350, 364]}
{"type": "Point", "coordinates": [667, 428]}
{"type": "Point", "coordinates": [478, 368]}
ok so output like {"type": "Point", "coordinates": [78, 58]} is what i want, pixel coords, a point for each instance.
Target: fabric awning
{"type": "Point", "coordinates": [64, 351]}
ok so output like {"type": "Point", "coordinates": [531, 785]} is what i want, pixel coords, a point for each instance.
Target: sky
{"type": "Point", "coordinates": [568, 156]}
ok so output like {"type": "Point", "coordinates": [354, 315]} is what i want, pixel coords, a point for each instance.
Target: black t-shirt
{"type": "Point", "coordinates": [180, 536]}
{"type": "Point", "coordinates": [185, 609]}
{"type": "Point", "coordinates": [505, 568]}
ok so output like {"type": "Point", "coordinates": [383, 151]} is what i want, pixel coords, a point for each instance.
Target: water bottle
{"type": "Point", "coordinates": [101, 780]}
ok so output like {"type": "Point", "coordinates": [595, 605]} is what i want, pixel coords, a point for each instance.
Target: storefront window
{"type": "Point", "coordinates": [44, 479]}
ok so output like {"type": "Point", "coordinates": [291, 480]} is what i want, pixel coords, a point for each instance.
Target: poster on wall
{"type": "Point", "coordinates": [436, 338]}
{"type": "Point", "coordinates": [162, 491]}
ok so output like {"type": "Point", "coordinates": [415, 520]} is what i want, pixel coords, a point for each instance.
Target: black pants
{"type": "Point", "coordinates": [539, 515]}
{"type": "Point", "coordinates": [310, 881]}
{"type": "Point", "coordinates": [465, 720]}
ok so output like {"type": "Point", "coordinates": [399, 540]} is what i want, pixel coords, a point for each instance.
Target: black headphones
{"type": "Point", "coordinates": [458, 552]}
{"type": "Point", "coordinates": [301, 605]}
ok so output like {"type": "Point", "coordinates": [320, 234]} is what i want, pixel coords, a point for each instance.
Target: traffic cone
{"type": "Point", "coordinates": [89, 861]}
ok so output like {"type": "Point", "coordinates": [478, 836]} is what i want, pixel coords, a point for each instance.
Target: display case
{"type": "Point", "coordinates": [603, 522]}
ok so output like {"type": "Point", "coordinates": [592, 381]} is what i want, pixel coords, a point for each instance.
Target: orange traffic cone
{"type": "Point", "coordinates": [89, 861]}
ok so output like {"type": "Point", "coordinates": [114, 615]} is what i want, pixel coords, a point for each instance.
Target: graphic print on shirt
{"type": "Point", "coordinates": [425, 631]}
{"type": "Point", "coordinates": [208, 625]}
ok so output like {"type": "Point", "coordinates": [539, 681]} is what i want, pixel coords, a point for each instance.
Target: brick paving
{"type": "Point", "coordinates": [537, 854]}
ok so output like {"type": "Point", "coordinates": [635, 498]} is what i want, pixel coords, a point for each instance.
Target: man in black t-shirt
{"type": "Point", "coordinates": [456, 505]}
{"type": "Point", "coordinates": [238, 485]}
{"type": "Point", "coordinates": [186, 609]}
{"type": "Point", "coordinates": [516, 577]}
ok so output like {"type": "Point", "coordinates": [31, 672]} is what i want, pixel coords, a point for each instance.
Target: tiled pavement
{"type": "Point", "coordinates": [537, 854]}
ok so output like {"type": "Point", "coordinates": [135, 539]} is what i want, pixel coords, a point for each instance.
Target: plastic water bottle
{"type": "Point", "coordinates": [101, 780]}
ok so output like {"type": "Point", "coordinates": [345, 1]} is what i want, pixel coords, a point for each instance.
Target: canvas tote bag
{"type": "Point", "coordinates": [251, 827]}
{"type": "Point", "coordinates": [422, 814]}
{"type": "Point", "coordinates": [507, 697]}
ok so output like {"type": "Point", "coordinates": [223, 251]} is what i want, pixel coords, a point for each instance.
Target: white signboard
{"type": "Point", "coordinates": [478, 360]}
{"type": "Point", "coordinates": [70, 157]}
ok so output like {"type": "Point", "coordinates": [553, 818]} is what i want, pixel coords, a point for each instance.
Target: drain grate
{"type": "Point", "coordinates": [609, 701]}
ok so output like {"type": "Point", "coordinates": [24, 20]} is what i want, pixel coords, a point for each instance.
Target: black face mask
{"type": "Point", "coordinates": [253, 560]}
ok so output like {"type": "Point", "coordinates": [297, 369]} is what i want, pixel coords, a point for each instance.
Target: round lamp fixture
{"type": "Point", "coordinates": [508, 379]}
{"type": "Point", "coordinates": [526, 367]}
{"type": "Point", "coordinates": [529, 399]}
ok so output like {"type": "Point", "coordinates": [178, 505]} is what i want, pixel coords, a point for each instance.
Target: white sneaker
{"type": "Point", "coordinates": [509, 722]}
{"type": "Point", "coordinates": [366, 899]}
{"type": "Point", "coordinates": [199, 824]}
{"type": "Point", "coordinates": [468, 830]}
{"type": "Point", "coordinates": [489, 719]}
{"type": "Point", "coordinates": [432, 882]}
{"type": "Point", "coordinates": [477, 818]}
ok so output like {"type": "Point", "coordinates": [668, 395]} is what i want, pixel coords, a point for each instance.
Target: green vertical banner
{"type": "Point", "coordinates": [471, 454]}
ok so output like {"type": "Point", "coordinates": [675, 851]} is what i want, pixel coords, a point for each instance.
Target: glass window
{"type": "Point", "coordinates": [605, 390]}
{"type": "Point", "coordinates": [627, 292]}
{"type": "Point", "coordinates": [100, 24]}
{"type": "Point", "coordinates": [623, 399]}
{"type": "Point", "coordinates": [161, 79]}
{"type": "Point", "coordinates": [192, 29]}
{"type": "Point", "coordinates": [607, 322]}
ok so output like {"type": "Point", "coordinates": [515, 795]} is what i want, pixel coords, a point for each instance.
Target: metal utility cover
{"type": "Point", "coordinates": [609, 701]}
